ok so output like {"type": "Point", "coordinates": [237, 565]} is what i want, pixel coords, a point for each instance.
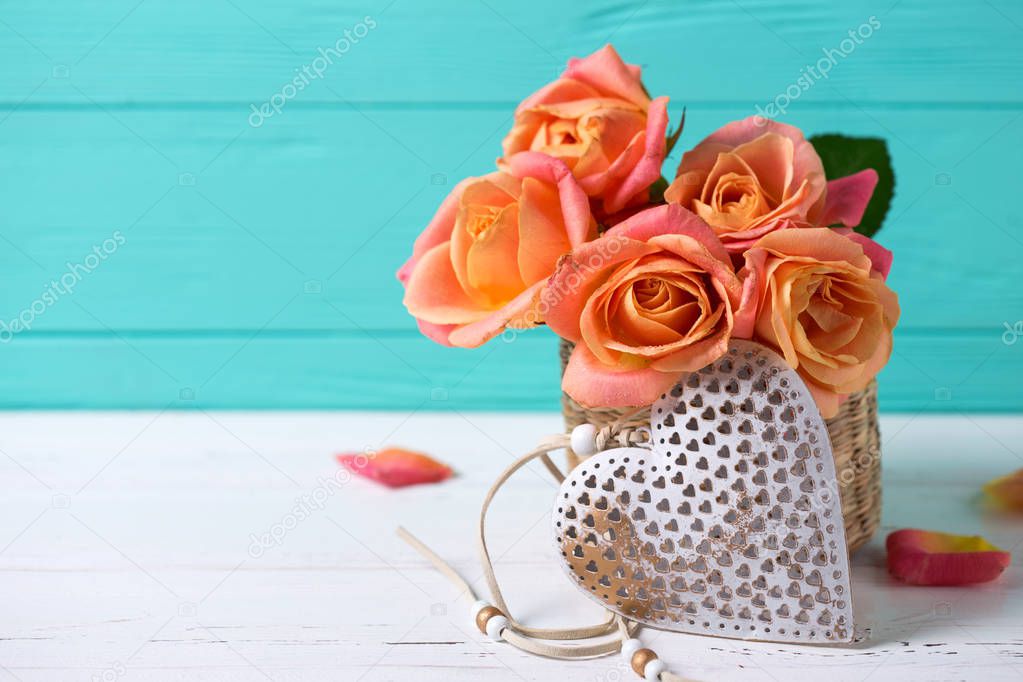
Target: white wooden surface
{"type": "Point", "coordinates": [126, 552]}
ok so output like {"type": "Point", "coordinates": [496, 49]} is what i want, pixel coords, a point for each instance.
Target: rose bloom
{"type": "Point", "coordinates": [480, 264]}
{"type": "Point", "coordinates": [822, 301]}
{"type": "Point", "coordinates": [599, 120]}
{"type": "Point", "coordinates": [655, 296]}
{"type": "Point", "coordinates": [756, 176]}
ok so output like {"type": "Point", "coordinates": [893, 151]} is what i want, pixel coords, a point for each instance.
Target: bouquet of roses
{"type": "Point", "coordinates": [755, 238]}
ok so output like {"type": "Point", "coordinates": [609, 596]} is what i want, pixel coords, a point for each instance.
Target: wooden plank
{"type": "Point", "coordinates": [139, 564]}
{"type": "Point", "coordinates": [111, 111]}
{"type": "Point", "coordinates": [929, 372]}
{"type": "Point", "coordinates": [199, 52]}
{"type": "Point", "coordinates": [300, 224]}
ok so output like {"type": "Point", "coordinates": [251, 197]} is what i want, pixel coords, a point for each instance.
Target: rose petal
{"type": "Point", "coordinates": [594, 384]}
{"type": "Point", "coordinates": [434, 294]}
{"type": "Point", "coordinates": [880, 257]}
{"type": "Point", "coordinates": [739, 132]}
{"type": "Point", "coordinates": [648, 169]}
{"type": "Point", "coordinates": [571, 110]}
{"type": "Point", "coordinates": [1006, 492]}
{"type": "Point", "coordinates": [396, 467]}
{"type": "Point", "coordinates": [579, 274]}
{"type": "Point", "coordinates": [613, 139]}
{"type": "Point", "coordinates": [495, 192]}
{"type": "Point", "coordinates": [805, 162]}
{"type": "Point", "coordinates": [921, 557]}
{"type": "Point", "coordinates": [848, 197]}
{"type": "Point", "coordinates": [542, 236]}
{"type": "Point", "coordinates": [605, 70]}
{"type": "Point", "coordinates": [815, 244]}
{"type": "Point", "coordinates": [561, 90]}
{"type": "Point", "coordinates": [769, 157]}
{"type": "Point", "coordinates": [827, 400]}
{"type": "Point", "coordinates": [746, 315]}
{"type": "Point", "coordinates": [699, 253]}
{"type": "Point", "coordinates": [519, 313]}
{"type": "Point", "coordinates": [575, 206]}
{"type": "Point", "coordinates": [492, 259]}
{"type": "Point", "coordinates": [669, 219]}
{"type": "Point", "coordinates": [696, 356]}
{"type": "Point", "coordinates": [438, 333]}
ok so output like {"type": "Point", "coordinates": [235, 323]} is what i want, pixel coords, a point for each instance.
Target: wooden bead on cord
{"type": "Point", "coordinates": [484, 615]}
{"type": "Point", "coordinates": [640, 659]}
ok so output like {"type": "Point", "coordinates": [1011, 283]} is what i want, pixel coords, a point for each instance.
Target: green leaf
{"type": "Point", "coordinates": [844, 156]}
{"type": "Point", "coordinates": [657, 190]}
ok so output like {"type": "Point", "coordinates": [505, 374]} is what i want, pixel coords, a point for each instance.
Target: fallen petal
{"type": "Point", "coordinates": [396, 467]}
{"type": "Point", "coordinates": [922, 557]}
{"type": "Point", "coordinates": [1006, 493]}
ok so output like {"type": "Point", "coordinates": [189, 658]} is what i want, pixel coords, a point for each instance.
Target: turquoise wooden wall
{"type": "Point", "coordinates": [251, 267]}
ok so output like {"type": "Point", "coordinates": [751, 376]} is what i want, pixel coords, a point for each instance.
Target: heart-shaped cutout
{"type": "Point", "coordinates": [730, 524]}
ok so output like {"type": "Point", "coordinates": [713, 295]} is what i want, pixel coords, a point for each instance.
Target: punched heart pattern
{"type": "Point", "coordinates": [730, 525]}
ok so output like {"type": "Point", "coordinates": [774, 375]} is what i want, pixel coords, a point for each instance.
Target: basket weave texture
{"type": "Point", "coordinates": [855, 442]}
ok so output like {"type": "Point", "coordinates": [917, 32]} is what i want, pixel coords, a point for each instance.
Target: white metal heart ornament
{"type": "Point", "coordinates": [730, 524]}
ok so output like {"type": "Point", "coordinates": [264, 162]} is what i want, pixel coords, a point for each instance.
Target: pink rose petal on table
{"type": "Point", "coordinates": [1006, 492]}
{"type": "Point", "coordinates": [922, 557]}
{"type": "Point", "coordinates": [396, 467]}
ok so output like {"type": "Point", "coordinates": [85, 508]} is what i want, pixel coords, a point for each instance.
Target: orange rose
{"type": "Point", "coordinates": [822, 302]}
{"type": "Point", "coordinates": [598, 119]}
{"type": "Point", "coordinates": [654, 297]}
{"type": "Point", "coordinates": [480, 264]}
{"type": "Point", "coordinates": [757, 176]}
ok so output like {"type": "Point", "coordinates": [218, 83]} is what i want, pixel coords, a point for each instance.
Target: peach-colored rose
{"type": "Point", "coordinates": [655, 296]}
{"type": "Point", "coordinates": [756, 176]}
{"type": "Point", "coordinates": [822, 302]}
{"type": "Point", "coordinates": [599, 120]}
{"type": "Point", "coordinates": [479, 265]}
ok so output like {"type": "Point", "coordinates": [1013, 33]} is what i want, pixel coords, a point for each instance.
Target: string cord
{"type": "Point", "coordinates": [615, 630]}
{"type": "Point", "coordinates": [518, 634]}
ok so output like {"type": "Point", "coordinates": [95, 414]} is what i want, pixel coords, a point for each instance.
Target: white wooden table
{"type": "Point", "coordinates": [130, 549]}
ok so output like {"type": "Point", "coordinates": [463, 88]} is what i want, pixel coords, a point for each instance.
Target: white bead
{"type": "Point", "coordinates": [494, 627]}
{"type": "Point", "coordinates": [629, 647]}
{"type": "Point", "coordinates": [476, 607]}
{"type": "Point", "coordinates": [584, 440]}
{"type": "Point", "coordinates": [653, 669]}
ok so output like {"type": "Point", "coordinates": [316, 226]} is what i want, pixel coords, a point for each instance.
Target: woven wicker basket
{"type": "Point", "coordinates": [855, 442]}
